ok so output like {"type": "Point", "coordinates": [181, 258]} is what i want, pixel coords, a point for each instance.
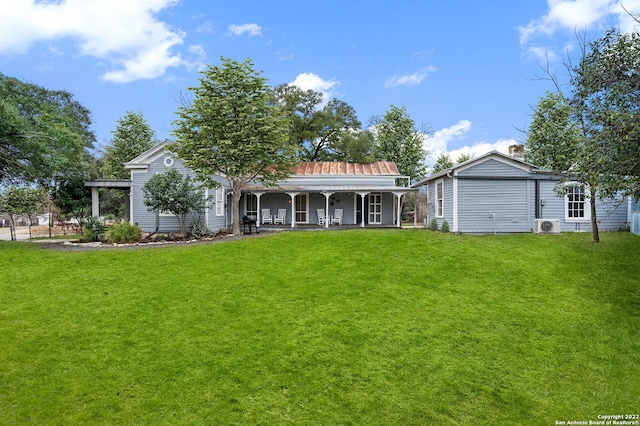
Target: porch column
{"type": "Point", "coordinates": [326, 208]}
{"type": "Point", "coordinates": [95, 201]}
{"type": "Point", "coordinates": [399, 208]}
{"type": "Point", "coordinates": [293, 208]}
{"type": "Point", "coordinates": [362, 195]}
{"type": "Point", "coordinates": [259, 212]}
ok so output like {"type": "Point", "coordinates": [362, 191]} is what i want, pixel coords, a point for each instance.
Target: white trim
{"type": "Point", "coordinates": [168, 161]}
{"type": "Point", "coordinates": [454, 226]}
{"type": "Point", "coordinates": [586, 208]}
{"type": "Point", "coordinates": [438, 210]}
{"type": "Point", "coordinates": [220, 201]}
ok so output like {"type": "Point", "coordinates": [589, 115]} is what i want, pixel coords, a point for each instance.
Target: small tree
{"type": "Point", "coordinates": [132, 137]}
{"type": "Point", "coordinates": [21, 201]}
{"type": "Point", "coordinates": [173, 193]}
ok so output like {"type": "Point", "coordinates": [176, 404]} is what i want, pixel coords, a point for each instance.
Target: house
{"type": "Point", "coordinates": [499, 193]}
{"type": "Point", "coordinates": [358, 194]}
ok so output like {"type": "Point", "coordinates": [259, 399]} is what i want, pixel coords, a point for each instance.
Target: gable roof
{"type": "Point", "coordinates": [143, 160]}
{"type": "Point", "coordinates": [470, 163]}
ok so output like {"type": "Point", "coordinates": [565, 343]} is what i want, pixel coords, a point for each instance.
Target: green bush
{"type": "Point", "coordinates": [445, 226]}
{"type": "Point", "coordinates": [198, 229]}
{"type": "Point", "coordinates": [124, 232]}
{"type": "Point", "coordinates": [434, 224]}
{"type": "Point", "coordinates": [93, 230]}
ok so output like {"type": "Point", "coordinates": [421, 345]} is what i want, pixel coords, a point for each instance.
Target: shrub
{"type": "Point", "coordinates": [434, 224]}
{"type": "Point", "coordinates": [94, 230]}
{"type": "Point", "coordinates": [124, 232]}
{"type": "Point", "coordinates": [198, 229]}
{"type": "Point", "coordinates": [445, 226]}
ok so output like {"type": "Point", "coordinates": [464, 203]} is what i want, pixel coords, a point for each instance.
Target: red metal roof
{"type": "Point", "coordinates": [379, 168]}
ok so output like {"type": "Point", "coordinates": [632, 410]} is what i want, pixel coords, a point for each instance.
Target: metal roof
{"type": "Point", "coordinates": [378, 168]}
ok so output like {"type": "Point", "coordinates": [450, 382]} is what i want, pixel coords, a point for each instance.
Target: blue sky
{"type": "Point", "coordinates": [466, 69]}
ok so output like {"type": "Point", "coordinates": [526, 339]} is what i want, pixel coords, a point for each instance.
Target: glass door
{"type": "Point", "coordinates": [375, 208]}
{"type": "Point", "coordinates": [301, 208]}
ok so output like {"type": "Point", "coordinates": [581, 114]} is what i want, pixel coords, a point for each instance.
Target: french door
{"type": "Point", "coordinates": [301, 208]}
{"type": "Point", "coordinates": [375, 208]}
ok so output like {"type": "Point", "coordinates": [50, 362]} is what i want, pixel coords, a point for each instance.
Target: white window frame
{"type": "Point", "coordinates": [586, 207]}
{"type": "Point", "coordinates": [219, 201]}
{"type": "Point", "coordinates": [439, 205]}
{"type": "Point", "coordinates": [249, 196]}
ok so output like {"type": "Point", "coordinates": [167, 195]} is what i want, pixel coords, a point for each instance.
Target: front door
{"type": "Point", "coordinates": [375, 208]}
{"type": "Point", "coordinates": [301, 208]}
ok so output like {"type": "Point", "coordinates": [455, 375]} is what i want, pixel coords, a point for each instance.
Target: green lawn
{"type": "Point", "coordinates": [338, 327]}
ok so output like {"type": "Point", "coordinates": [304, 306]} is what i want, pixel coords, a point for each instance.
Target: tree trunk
{"type": "Point", "coordinates": [594, 220]}
{"type": "Point", "coordinates": [236, 188]}
{"type": "Point", "coordinates": [12, 228]}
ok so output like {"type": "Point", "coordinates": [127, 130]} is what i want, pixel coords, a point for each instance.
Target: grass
{"type": "Point", "coordinates": [347, 327]}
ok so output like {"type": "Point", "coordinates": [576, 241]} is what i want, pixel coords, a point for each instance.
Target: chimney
{"type": "Point", "coordinates": [517, 151]}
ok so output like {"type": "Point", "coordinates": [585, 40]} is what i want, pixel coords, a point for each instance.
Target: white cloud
{"type": "Point", "coordinates": [574, 15]}
{"type": "Point", "coordinates": [409, 79]}
{"type": "Point", "coordinates": [437, 143]}
{"type": "Point", "coordinates": [125, 33]}
{"type": "Point", "coordinates": [311, 81]}
{"type": "Point", "coordinates": [251, 29]}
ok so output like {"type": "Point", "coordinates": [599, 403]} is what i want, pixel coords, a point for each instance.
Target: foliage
{"type": "Point", "coordinates": [93, 229]}
{"type": "Point", "coordinates": [353, 147]}
{"type": "Point", "coordinates": [172, 192]}
{"type": "Point", "coordinates": [479, 330]}
{"type": "Point", "coordinates": [463, 158]}
{"type": "Point", "coordinates": [397, 140]}
{"type": "Point", "coordinates": [433, 225]}
{"type": "Point", "coordinates": [44, 134]}
{"type": "Point", "coordinates": [199, 229]}
{"type": "Point", "coordinates": [443, 162]}
{"type": "Point", "coordinates": [21, 201]}
{"type": "Point", "coordinates": [232, 129]}
{"type": "Point", "coordinates": [72, 198]}
{"type": "Point", "coordinates": [318, 130]}
{"type": "Point", "coordinates": [445, 226]}
{"type": "Point", "coordinates": [123, 232]}
{"type": "Point", "coordinates": [132, 137]}
{"type": "Point", "coordinates": [553, 137]}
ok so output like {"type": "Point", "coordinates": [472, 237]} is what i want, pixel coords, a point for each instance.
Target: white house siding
{"type": "Point", "coordinates": [494, 206]}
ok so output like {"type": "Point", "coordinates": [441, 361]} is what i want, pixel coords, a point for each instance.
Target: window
{"type": "Point", "coordinates": [575, 203]}
{"type": "Point", "coordinates": [440, 198]}
{"type": "Point", "coordinates": [220, 202]}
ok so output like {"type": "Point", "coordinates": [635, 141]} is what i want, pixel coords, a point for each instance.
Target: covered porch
{"type": "Point", "coordinates": [324, 207]}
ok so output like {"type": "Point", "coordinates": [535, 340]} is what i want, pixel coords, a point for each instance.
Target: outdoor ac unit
{"type": "Point", "coordinates": [548, 226]}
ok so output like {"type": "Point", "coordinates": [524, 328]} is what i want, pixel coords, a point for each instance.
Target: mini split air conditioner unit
{"type": "Point", "coordinates": [548, 226]}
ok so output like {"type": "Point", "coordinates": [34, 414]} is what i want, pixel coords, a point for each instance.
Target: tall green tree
{"type": "Point", "coordinates": [553, 138]}
{"type": "Point", "coordinates": [354, 147]}
{"type": "Point", "coordinates": [318, 130]}
{"type": "Point", "coordinates": [232, 129]}
{"type": "Point", "coordinates": [172, 192]}
{"type": "Point", "coordinates": [443, 162]}
{"type": "Point", "coordinates": [44, 134]}
{"type": "Point", "coordinates": [398, 140]}
{"type": "Point", "coordinates": [131, 137]}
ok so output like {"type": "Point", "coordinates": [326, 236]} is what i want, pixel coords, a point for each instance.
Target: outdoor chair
{"type": "Point", "coordinates": [281, 216]}
{"type": "Point", "coordinates": [266, 216]}
{"type": "Point", "coordinates": [337, 217]}
{"type": "Point", "coordinates": [321, 217]}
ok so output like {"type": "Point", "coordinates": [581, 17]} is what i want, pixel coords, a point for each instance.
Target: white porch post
{"type": "Point", "coordinates": [293, 208]}
{"type": "Point", "coordinates": [259, 212]}
{"type": "Point", "coordinates": [399, 208]}
{"type": "Point", "coordinates": [362, 195]}
{"type": "Point", "coordinates": [95, 201]}
{"type": "Point", "coordinates": [326, 208]}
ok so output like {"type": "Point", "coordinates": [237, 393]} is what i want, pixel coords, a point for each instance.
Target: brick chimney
{"type": "Point", "coordinates": [517, 151]}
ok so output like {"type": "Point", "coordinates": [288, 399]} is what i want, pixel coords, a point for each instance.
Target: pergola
{"type": "Point", "coordinates": [98, 184]}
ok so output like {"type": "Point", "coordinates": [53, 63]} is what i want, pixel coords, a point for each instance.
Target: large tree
{"type": "Point", "coordinates": [231, 128]}
{"type": "Point", "coordinates": [44, 134]}
{"type": "Point", "coordinates": [21, 201]}
{"type": "Point", "coordinates": [553, 137]}
{"type": "Point", "coordinates": [316, 129]}
{"type": "Point", "coordinates": [398, 140]}
{"type": "Point", "coordinates": [131, 137]}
